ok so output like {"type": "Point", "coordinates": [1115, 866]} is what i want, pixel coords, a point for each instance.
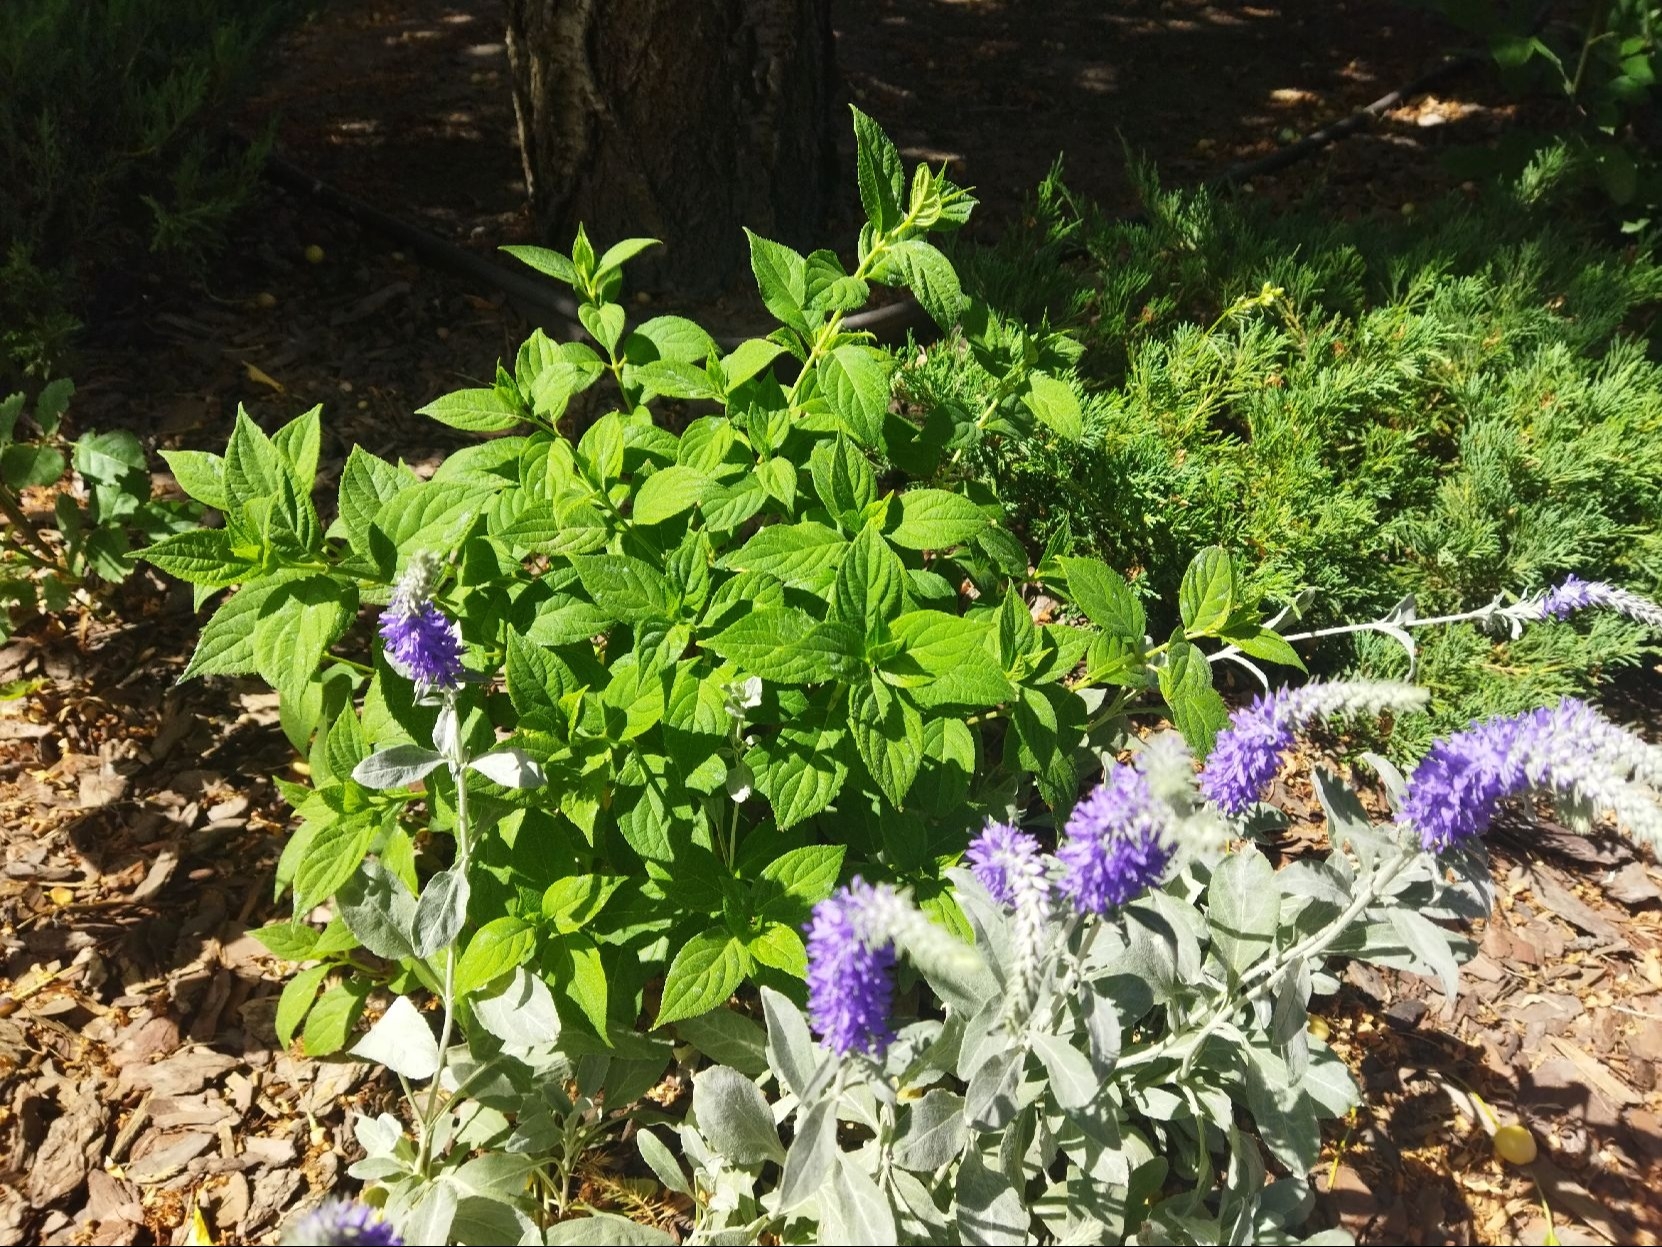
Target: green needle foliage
{"type": "Point", "coordinates": [1454, 406]}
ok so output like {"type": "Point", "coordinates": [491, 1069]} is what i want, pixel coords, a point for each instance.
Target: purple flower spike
{"type": "Point", "coordinates": [341, 1221]}
{"type": "Point", "coordinates": [423, 644]}
{"type": "Point", "coordinates": [1116, 844]}
{"type": "Point", "coordinates": [1006, 861]}
{"type": "Point", "coordinates": [851, 960]}
{"type": "Point", "coordinates": [1577, 594]}
{"type": "Point", "coordinates": [1248, 752]}
{"type": "Point", "coordinates": [1455, 792]}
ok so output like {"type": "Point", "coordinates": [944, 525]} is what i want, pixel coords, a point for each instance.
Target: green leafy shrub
{"type": "Point", "coordinates": [1451, 407]}
{"type": "Point", "coordinates": [104, 501]}
{"type": "Point", "coordinates": [108, 133]}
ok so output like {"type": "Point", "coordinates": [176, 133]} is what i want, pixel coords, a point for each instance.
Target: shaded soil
{"type": "Point", "coordinates": [139, 1071]}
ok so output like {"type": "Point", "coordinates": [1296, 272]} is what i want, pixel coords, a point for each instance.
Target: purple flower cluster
{"type": "Point", "coordinates": [851, 961]}
{"type": "Point", "coordinates": [1007, 862]}
{"type": "Point", "coordinates": [1577, 594]}
{"type": "Point", "coordinates": [1116, 843]}
{"type": "Point", "coordinates": [341, 1221]}
{"type": "Point", "coordinates": [423, 644]}
{"type": "Point", "coordinates": [1456, 790]}
{"type": "Point", "coordinates": [1248, 752]}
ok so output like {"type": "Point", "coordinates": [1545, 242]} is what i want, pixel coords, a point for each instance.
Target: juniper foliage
{"type": "Point", "coordinates": [1453, 406]}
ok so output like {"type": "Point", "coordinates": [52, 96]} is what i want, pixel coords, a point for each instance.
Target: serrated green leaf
{"type": "Point", "coordinates": [199, 474]}
{"type": "Point", "coordinates": [200, 556]}
{"type": "Point", "coordinates": [1208, 594]}
{"type": "Point", "coordinates": [296, 1001]}
{"type": "Point", "coordinates": [1056, 405]}
{"type": "Point", "coordinates": [332, 854]}
{"type": "Point", "coordinates": [781, 276]}
{"type": "Point", "coordinates": [804, 556]}
{"type": "Point", "coordinates": [789, 646]}
{"type": "Point", "coordinates": [888, 732]}
{"type": "Point", "coordinates": [474, 411]}
{"type": "Point", "coordinates": [881, 176]}
{"type": "Point", "coordinates": [799, 770]}
{"type": "Point", "coordinates": [625, 587]}
{"type": "Point", "coordinates": [706, 971]}
{"type": "Point", "coordinates": [855, 381]}
{"type": "Point", "coordinates": [1196, 708]}
{"type": "Point", "coordinates": [329, 1024]}
{"type": "Point", "coordinates": [936, 519]}
{"type": "Point", "coordinates": [495, 949]}
{"type": "Point", "coordinates": [667, 493]}
{"type": "Point", "coordinates": [1106, 598]}
{"type": "Point", "coordinates": [26, 464]}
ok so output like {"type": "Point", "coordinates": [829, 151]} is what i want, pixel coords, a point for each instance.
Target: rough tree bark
{"type": "Point", "coordinates": [681, 120]}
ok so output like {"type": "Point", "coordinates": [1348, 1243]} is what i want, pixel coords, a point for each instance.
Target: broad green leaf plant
{"type": "Point", "coordinates": [648, 692]}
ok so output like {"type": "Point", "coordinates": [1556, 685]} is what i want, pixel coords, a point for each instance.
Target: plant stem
{"type": "Point", "coordinates": [1263, 977]}
{"type": "Point", "coordinates": [25, 527]}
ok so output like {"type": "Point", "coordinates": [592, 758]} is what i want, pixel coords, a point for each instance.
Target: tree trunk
{"type": "Point", "coordinates": [681, 120]}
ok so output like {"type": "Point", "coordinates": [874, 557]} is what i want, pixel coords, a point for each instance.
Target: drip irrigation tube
{"type": "Point", "coordinates": [889, 324]}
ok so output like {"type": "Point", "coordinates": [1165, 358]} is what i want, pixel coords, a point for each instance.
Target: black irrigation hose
{"type": "Point", "coordinates": [888, 324]}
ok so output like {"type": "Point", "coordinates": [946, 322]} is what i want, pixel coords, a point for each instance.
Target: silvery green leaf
{"type": "Point", "coordinates": [957, 971]}
{"type": "Point", "coordinates": [1073, 1082]}
{"type": "Point", "coordinates": [1243, 1188]}
{"type": "Point", "coordinates": [378, 1135]}
{"type": "Point", "coordinates": [430, 1220]}
{"type": "Point", "coordinates": [728, 1038]}
{"type": "Point", "coordinates": [790, 1046]}
{"type": "Point", "coordinates": [934, 1132]}
{"type": "Point", "coordinates": [601, 1229]}
{"type": "Point", "coordinates": [376, 1168]}
{"type": "Point", "coordinates": [1430, 945]}
{"type": "Point", "coordinates": [989, 1100]}
{"type": "Point", "coordinates": [440, 912]}
{"type": "Point", "coordinates": [813, 1153]}
{"type": "Point", "coordinates": [984, 1027]}
{"type": "Point", "coordinates": [1328, 1083]}
{"type": "Point", "coordinates": [1389, 777]}
{"type": "Point", "coordinates": [1188, 925]}
{"type": "Point", "coordinates": [1285, 1116]}
{"type": "Point", "coordinates": [989, 1209]}
{"type": "Point", "coordinates": [379, 910]}
{"type": "Point", "coordinates": [1102, 1028]}
{"type": "Point", "coordinates": [662, 1162]}
{"type": "Point", "coordinates": [489, 1219]}
{"type": "Point", "coordinates": [512, 768]}
{"type": "Point", "coordinates": [919, 1220]}
{"type": "Point", "coordinates": [1020, 1144]}
{"type": "Point", "coordinates": [1151, 951]}
{"type": "Point", "coordinates": [733, 1115]}
{"type": "Point", "coordinates": [1244, 907]}
{"type": "Point", "coordinates": [1285, 1204]}
{"type": "Point", "coordinates": [447, 735]}
{"type": "Point", "coordinates": [522, 1013]}
{"type": "Point", "coordinates": [1348, 823]}
{"type": "Point", "coordinates": [865, 1212]}
{"type": "Point", "coordinates": [986, 916]}
{"type": "Point", "coordinates": [1319, 880]}
{"type": "Point", "coordinates": [1291, 998]}
{"type": "Point", "coordinates": [402, 1041]}
{"type": "Point", "coordinates": [396, 766]}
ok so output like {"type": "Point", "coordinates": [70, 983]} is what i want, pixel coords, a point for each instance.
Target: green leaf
{"type": "Point", "coordinates": [804, 556]}
{"type": "Point", "coordinates": [1106, 598]}
{"type": "Point", "coordinates": [366, 482]}
{"type": "Point", "coordinates": [1207, 595]}
{"type": "Point", "coordinates": [843, 479]}
{"type": "Point", "coordinates": [706, 971]}
{"type": "Point", "coordinates": [432, 515]}
{"type": "Point", "coordinates": [584, 978]}
{"type": "Point", "coordinates": [806, 875]}
{"type": "Point", "coordinates": [789, 646]}
{"type": "Point", "coordinates": [474, 411]}
{"type": "Point", "coordinates": [929, 275]}
{"type": "Point", "coordinates": [1267, 644]}
{"type": "Point", "coordinates": [201, 556]}
{"type": "Point", "coordinates": [299, 442]}
{"type": "Point", "coordinates": [1046, 740]}
{"type": "Point", "coordinates": [781, 276]}
{"type": "Point", "coordinates": [749, 358]}
{"type": "Point", "coordinates": [881, 175]}
{"type": "Point", "coordinates": [570, 904]}
{"type": "Point", "coordinates": [1056, 405]}
{"type": "Point", "coordinates": [545, 261]}
{"type": "Point", "coordinates": [625, 587]}
{"type": "Point", "coordinates": [329, 1024]}
{"type": "Point", "coordinates": [800, 770]}
{"type": "Point", "coordinates": [888, 732]}
{"type": "Point", "coordinates": [778, 477]}
{"type": "Point", "coordinates": [780, 947]}
{"type": "Point", "coordinates": [332, 854]}
{"type": "Point", "coordinates": [253, 467]}
{"type": "Point", "coordinates": [936, 519]}
{"type": "Point", "coordinates": [1196, 708]}
{"type": "Point", "coordinates": [292, 941]}
{"type": "Point", "coordinates": [870, 582]}
{"type": "Point", "coordinates": [729, 1038]}
{"type": "Point", "coordinates": [621, 252]}
{"type": "Point", "coordinates": [226, 646]}
{"type": "Point", "coordinates": [673, 379]}
{"type": "Point", "coordinates": [669, 337]}
{"type": "Point", "coordinates": [199, 474]}
{"type": "Point", "coordinates": [855, 381]}
{"type": "Point", "coordinates": [25, 464]}
{"type": "Point", "coordinates": [52, 402]}
{"type": "Point", "coordinates": [948, 767]}
{"type": "Point", "coordinates": [111, 457]}
{"type": "Point", "coordinates": [667, 493]}
{"type": "Point", "coordinates": [296, 1001]}
{"type": "Point", "coordinates": [1243, 908]}
{"type": "Point", "coordinates": [296, 627]}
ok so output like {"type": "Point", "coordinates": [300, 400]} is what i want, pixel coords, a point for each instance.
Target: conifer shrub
{"type": "Point", "coordinates": [1456, 405]}
{"type": "Point", "coordinates": [110, 142]}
